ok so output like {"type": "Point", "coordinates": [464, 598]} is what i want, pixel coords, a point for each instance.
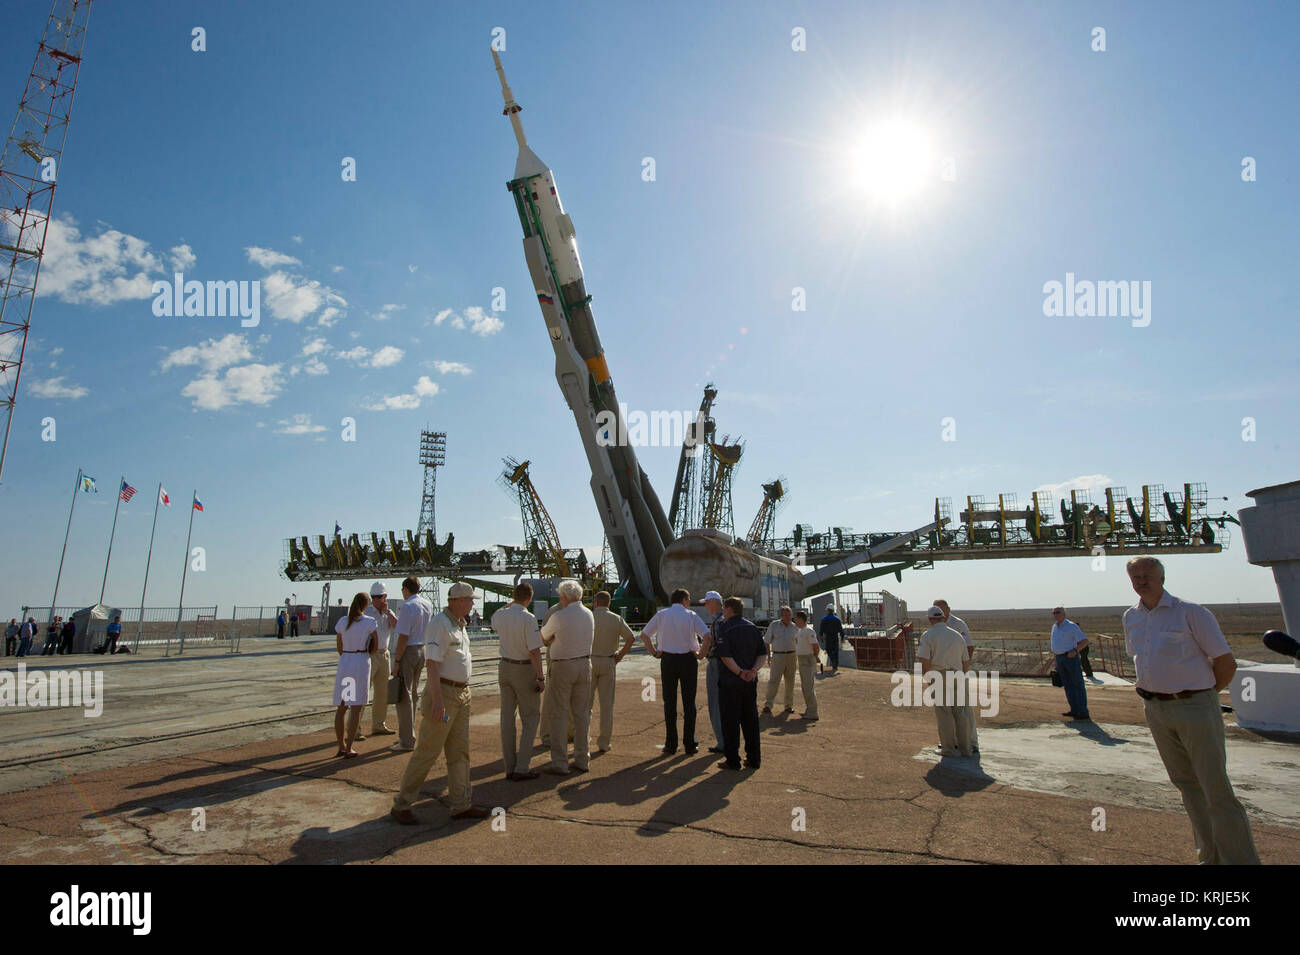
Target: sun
{"type": "Point", "coordinates": [894, 160]}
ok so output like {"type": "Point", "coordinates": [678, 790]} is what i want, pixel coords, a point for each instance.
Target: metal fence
{"type": "Point", "coordinates": [150, 626]}
{"type": "Point", "coordinates": [1009, 656]}
{"type": "Point", "coordinates": [259, 621]}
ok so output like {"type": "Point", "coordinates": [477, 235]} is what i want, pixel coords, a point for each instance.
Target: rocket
{"type": "Point", "coordinates": [633, 518]}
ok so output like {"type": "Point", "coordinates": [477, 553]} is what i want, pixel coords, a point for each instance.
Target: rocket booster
{"type": "Point", "coordinates": [633, 517]}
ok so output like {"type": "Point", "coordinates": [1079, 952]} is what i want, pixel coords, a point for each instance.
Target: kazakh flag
{"type": "Point", "coordinates": [88, 484]}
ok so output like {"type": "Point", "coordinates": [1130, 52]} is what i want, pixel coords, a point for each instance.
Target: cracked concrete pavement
{"type": "Point", "coordinates": [865, 779]}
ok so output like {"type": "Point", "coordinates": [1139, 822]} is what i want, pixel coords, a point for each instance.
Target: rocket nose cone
{"type": "Point", "coordinates": [528, 164]}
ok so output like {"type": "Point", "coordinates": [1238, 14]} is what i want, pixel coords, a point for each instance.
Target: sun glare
{"type": "Point", "coordinates": [894, 161]}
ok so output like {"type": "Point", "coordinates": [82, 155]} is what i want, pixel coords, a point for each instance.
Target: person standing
{"type": "Point", "coordinates": [605, 658]}
{"type": "Point", "coordinates": [942, 651]}
{"type": "Point", "coordinates": [1182, 663]}
{"type": "Point", "coordinates": [444, 710]}
{"type": "Point", "coordinates": [293, 616]}
{"type": "Point", "coordinates": [519, 676]}
{"type": "Point", "coordinates": [381, 664]}
{"type": "Point", "coordinates": [829, 630]}
{"type": "Point", "coordinates": [807, 651]}
{"type": "Point", "coordinates": [356, 641]}
{"type": "Point", "coordinates": [678, 630]}
{"type": "Point", "coordinates": [958, 624]}
{"type": "Point", "coordinates": [51, 637]}
{"type": "Point", "coordinates": [279, 625]}
{"type": "Point", "coordinates": [26, 634]}
{"type": "Point", "coordinates": [1068, 642]}
{"type": "Point", "coordinates": [781, 639]}
{"type": "Point", "coordinates": [712, 666]}
{"type": "Point", "coordinates": [114, 631]}
{"type": "Point", "coordinates": [67, 635]}
{"type": "Point", "coordinates": [569, 632]}
{"type": "Point", "coordinates": [408, 661]}
{"type": "Point", "coordinates": [11, 637]}
{"type": "Point", "coordinates": [742, 652]}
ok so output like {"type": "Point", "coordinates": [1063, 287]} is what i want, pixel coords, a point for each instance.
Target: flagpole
{"type": "Point", "coordinates": [140, 624]}
{"type": "Point", "coordinates": [185, 570]}
{"type": "Point", "coordinates": [111, 535]}
{"type": "Point", "coordinates": [55, 599]}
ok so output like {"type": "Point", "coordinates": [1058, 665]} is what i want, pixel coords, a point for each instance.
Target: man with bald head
{"type": "Point", "coordinates": [1182, 663]}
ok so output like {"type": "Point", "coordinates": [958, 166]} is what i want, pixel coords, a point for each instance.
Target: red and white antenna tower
{"type": "Point", "coordinates": [29, 169]}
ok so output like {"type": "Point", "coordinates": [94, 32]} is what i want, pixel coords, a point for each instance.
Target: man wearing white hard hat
{"type": "Point", "coordinates": [381, 666]}
{"type": "Point", "coordinates": [444, 712]}
{"type": "Point", "coordinates": [941, 651]}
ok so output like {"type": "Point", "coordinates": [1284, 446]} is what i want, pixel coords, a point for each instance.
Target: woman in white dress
{"type": "Point", "coordinates": [356, 640]}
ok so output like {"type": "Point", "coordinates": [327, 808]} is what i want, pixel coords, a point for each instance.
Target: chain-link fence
{"type": "Point", "coordinates": [141, 627]}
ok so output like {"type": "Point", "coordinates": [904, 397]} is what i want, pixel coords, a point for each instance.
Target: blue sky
{"type": "Point", "coordinates": [1115, 165]}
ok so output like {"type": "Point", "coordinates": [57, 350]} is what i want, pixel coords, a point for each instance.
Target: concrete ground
{"type": "Point", "coordinates": [221, 758]}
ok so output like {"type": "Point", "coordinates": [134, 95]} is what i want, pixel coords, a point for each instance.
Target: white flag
{"type": "Point", "coordinates": [163, 499]}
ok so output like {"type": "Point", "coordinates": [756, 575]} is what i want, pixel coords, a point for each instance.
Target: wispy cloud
{"type": "Point", "coordinates": [55, 388]}
{"type": "Point", "coordinates": [473, 319]}
{"type": "Point", "coordinates": [299, 424]}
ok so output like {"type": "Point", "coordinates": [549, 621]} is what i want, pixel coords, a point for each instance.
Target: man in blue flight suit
{"type": "Point", "coordinates": [829, 631]}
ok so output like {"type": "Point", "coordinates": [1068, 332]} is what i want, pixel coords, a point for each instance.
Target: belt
{"type": "Point", "coordinates": [688, 653]}
{"type": "Point", "coordinates": [585, 656]}
{"type": "Point", "coordinates": [608, 656]}
{"type": "Point", "coordinates": [459, 686]}
{"type": "Point", "coordinates": [1182, 695]}
{"type": "Point", "coordinates": [782, 651]}
{"type": "Point", "coordinates": [356, 651]}
{"type": "Point", "coordinates": [524, 662]}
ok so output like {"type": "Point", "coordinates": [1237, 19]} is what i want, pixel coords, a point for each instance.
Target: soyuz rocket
{"type": "Point", "coordinates": [634, 520]}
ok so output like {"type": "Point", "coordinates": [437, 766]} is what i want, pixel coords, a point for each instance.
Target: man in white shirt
{"type": "Point", "coordinates": [381, 664]}
{"type": "Point", "coordinates": [780, 639]}
{"type": "Point", "coordinates": [941, 650]}
{"type": "Point", "coordinates": [1068, 643]}
{"type": "Point", "coordinates": [519, 675]}
{"type": "Point", "coordinates": [677, 631]}
{"type": "Point", "coordinates": [568, 632]}
{"type": "Point", "coordinates": [1182, 663]}
{"type": "Point", "coordinates": [408, 661]}
{"type": "Point", "coordinates": [444, 712]}
{"type": "Point", "coordinates": [958, 624]}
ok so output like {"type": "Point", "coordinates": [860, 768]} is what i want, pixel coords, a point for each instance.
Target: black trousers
{"type": "Point", "coordinates": [739, 712]}
{"type": "Point", "coordinates": [1083, 659]}
{"type": "Point", "coordinates": [832, 645]}
{"type": "Point", "coordinates": [679, 669]}
{"type": "Point", "coordinates": [65, 643]}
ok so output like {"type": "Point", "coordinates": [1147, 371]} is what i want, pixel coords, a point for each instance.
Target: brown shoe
{"type": "Point", "coordinates": [404, 816]}
{"type": "Point", "coordinates": [524, 777]}
{"type": "Point", "coordinates": [473, 812]}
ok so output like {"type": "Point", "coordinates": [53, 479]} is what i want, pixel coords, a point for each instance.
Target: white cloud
{"type": "Point", "coordinates": [441, 316]}
{"type": "Point", "coordinates": [293, 298]}
{"type": "Point", "coordinates": [315, 366]}
{"type": "Point", "coordinates": [412, 268]}
{"type": "Point", "coordinates": [315, 347]}
{"type": "Point", "coordinates": [387, 356]}
{"type": "Point", "coordinates": [252, 384]}
{"type": "Point", "coordinates": [474, 319]}
{"type": "Point", "coordinates": [182, 258]}
{"type": "Point", "coordinates": [328, 317]}
{"type": "Point", "coordinates": [269, 258]}
{"type": "Point", "coordinates": [1085, 482]}
{"type": "Point", "coordinates": [387, 311]}
{"type": "Point", "coordinates": [395, 403]}
{"type": "Point", "coordinates": [426, 388]}
{"type": "Point", "coordinates": [449, 367]}
{"type": "Point", "coordinates": [55, 388]}
{"type": "Point", "coordinates": [96, 270]}
{"type": "Point", "coordinates": [358, 354]}
{"type": "Point", "coordinates": [336, 268]}
{"type": "Point", "coordinates": [299, 424]}
{"type": "Point", "coordinates": [296, 238]}
{"type": "Point", "coordinates": [56, 350]}
{"type": "Point", "coordinates": [214, 354]}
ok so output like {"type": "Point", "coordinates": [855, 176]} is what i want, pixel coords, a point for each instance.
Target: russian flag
{"type": "Point", "coordinates": [545, 299]}
{"type": "Point", "coordinates": [198, 505]}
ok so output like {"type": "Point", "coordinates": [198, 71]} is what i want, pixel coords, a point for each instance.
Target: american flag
{"type": "Point", "coordinates": [127, 492]}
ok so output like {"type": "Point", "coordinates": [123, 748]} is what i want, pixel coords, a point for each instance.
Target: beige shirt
{"type": "Point", "coordinates": [1172, 645]}
{"type": "Point", "coordinates": [609, 627]}
{"type": "Point", "coordinates": [958, 624]}
{"type": "Point", "coordinates": [780, 637]}
{"type": "Point", "coordinates": [517, 629]}
{"type": "Point", "coordinates": [943, 647]}
{"type": "Point", "coordinates": [447, 643]}
{"type": "Point", "coordinates": [573, 629]}
{"type": "Point", "coordinates": [806, 642]}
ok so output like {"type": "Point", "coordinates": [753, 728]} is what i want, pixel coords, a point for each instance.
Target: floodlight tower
{"type": "Point", "coordinates": [433, 451]}
{"type": "Point", "coordinates": [29, 168]}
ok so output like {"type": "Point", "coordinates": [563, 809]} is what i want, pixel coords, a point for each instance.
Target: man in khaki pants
{"type": "Point", "coordinates": [444, 713]}
{"type": "Point", "coordinates": [941, 651]}
{"type": "Point", "coordinates": [519, 675]}
{"type": "Point", "coordinates": [408, 661]}
{"type": "Point", "coordinates": [780, 639]}
{"type": "Point", "coordinates": [569, 632]}
{"type": "Point", "coordinates": [1182, 662]}
{"type": "Point", "coordinates": [605, 657]}
{"type": "Point", "coordinates": [381, 664]}
{"type": "Point", "coordinates": [808, 650]}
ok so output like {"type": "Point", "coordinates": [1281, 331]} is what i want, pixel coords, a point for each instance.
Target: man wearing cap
{"type": "Point", "coordinates": [569, 632]}
{"type": "Point", "coordinates": [781, 637]}
{"type": "Point", "coordinates": [942, 651]}
{"type": "Point", "coordinates": [958, 624]}
{"type": "Point", "coordinates": [444, 712]}
{"type": "Point", "coordinates": [1068, 643]}
{"type": "Point", "coordinates": [713, 615]}
{"type": "Point", "coordinates": [1182, 663]}
{"type": "Point", "coordinates": [519, 675]}
{"type": "Point", "coordinates": [677, 630]}
{"type": "Point", "coordinates": [381, 664]}
{"type": "Point", "coordinates": [408, 661]}
{"type": "Point", "coordinates": [605, 657]}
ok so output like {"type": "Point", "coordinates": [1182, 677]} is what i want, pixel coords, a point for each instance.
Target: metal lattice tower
{"type": "Point", "coordinates": [29, 168]}
{"type": "Point", "coordinates": [540, 535]}
{"type": "Point", "coordinates": [719, 469]}
{"type": "Point", "coordinates": [687, 506]}
{"type": "Point", "coordinates": [433, 452]}
{"type": "Point", "coordinates": [763, 529]}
